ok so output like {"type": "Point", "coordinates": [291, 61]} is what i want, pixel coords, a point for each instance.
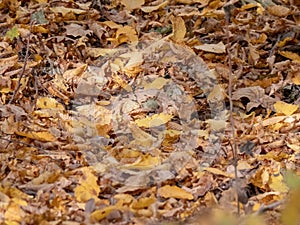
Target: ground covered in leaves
{"type": "Point", "coordinates": [118, 112]}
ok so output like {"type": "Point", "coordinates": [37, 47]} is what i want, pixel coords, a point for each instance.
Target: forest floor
{"type": "Point", "coordinates": [150, 112]}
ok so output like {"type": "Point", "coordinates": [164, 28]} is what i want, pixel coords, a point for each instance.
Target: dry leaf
{"type": "Point", "coordinates": [179, 29]}
{"type": "Point", "coordinates": [279, 10]}
{"type": "Point", "coordinates": [154, 121]}
{"type": "Point", "coordinates": [285, 108]}
{"type": "Point", "coordinates": [290, 55]}
{"type": "Point", "coordinates": [38, 135]}
{"type": "Point", "coordinates": [48, 103]}
{"type": "Point", "coordinates": [158, 83]}
{"type": "Point", "coordinates": [133, 4]}
{"type": "Point", "coordinates": [88, 187]}
{"type": "Point", "coordinates": [148, 9]}
{"type": "Point", "coordinates": [168, 191]}
{"type": "Point", "coordinates": [214, 48]}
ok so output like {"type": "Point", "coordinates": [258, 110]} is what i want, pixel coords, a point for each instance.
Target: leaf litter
{"type": "Point", "coordinates": [118, 120]}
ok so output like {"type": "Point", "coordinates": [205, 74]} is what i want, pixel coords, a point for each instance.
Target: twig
{"type": "Point", "coordinates": [271, 206]}
{"type": "Point", "coordinates": [21, 142]}
{"type": "Point", "coordinates": [227, 9]}
{"type": "Point", "coordinates": [24, 66]}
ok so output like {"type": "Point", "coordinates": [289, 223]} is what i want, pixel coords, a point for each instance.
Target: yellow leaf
{"type": "Point", "coordinates": [69, 75]}
{"type": "Point", "coordinates": [168, 191]}
{"type": "Point", "coordinates": [154, 121]}
{"type": "Point", "coordinates": [133, 4]}
{"type": "Point", "coordinates": [276, 183]}
{"type": "Point", "coordinates": [179, 29]}
{"type": "Point", "coordinates": [145, 162]}
{"type": "Point", "coordinates": [294, 147]}
{"type": "Point", "coordinates": [14, 214]}
{"type": "Point", "coordinates": [48, 103]}
{"type": "Point", "coordinates": [285, 108]}
{"type": "Point", "coordinates": [158, 83]}
{"type": "Point", "coordinates": [88, 187]}
{"type": "Point", "coordinates": [296, 79]}
{"type": "Point", "coordinates": [122, 83]}
{"type": "Point", "coordinates": [218, 172]}
{"type": "Point", "coordinates": [143, 202]}
{"type": "Point", "coordinates": [141, 137]}
{"type": "Point", "coordinates": [126, 34]}
{"type": "Point", "coordinates": [102, 213]}
{"type": "Point", "coordinates": [290, 55]}
{"type": "Point", "coordinates": [39, 135]}
{"type": "Point", "coordinates": [96, 52]}
{"type": "Point", "coordinates": [148, 9]}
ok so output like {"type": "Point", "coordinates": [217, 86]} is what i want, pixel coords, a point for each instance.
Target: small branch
{"type": "Point", "coordinates": [271, 206]}
{"type": "Point", "coordinates": [24, 66]}
{"type": "Point", "coordinates": [227, 9]}
{"type": "Point", "coordinates": [20, 142]}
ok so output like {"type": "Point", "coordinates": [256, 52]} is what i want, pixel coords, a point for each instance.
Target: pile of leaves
{"type": "Point", "coordinates": [117, 112]}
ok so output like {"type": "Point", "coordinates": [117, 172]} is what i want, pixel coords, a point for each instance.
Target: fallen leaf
{"type": "Point", "coordinates": [285, 108]}
{"type": "Point", "coordinates": [168, 191]}
{"type": "Point", "coordinates": [179, 29]}
{"type": "Point", "coordinates": [218, 172]}
{"type": "Point", "coordinates": [88, 187]}
{"type": "Point", "coordinates": [148, 9]}
{"type": "Point", "coordinates": [143, 202]}
{"type": "Point", "coordinates": [48, 103]}
{"type": "Point", "coordinates": [133, 4]}
{"type": "Point", "coordinates": [100, 214]}
{"type": "Point", "coordinates": [64, 11]}
{"type": "Point", "coordinates": [38, 135]}
{"type": "Point", "coordinates": [154, 121]}
{"type": "Point", "coordinates": [279, 10]}
{"type": "Point", "coordinates": [158, 83]}
{"type": "Point", "coordinates": [290, 55]}
{"type": "Point", "coordinates": [214, 48]}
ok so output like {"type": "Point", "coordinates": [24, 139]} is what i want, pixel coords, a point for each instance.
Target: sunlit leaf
{"type": "Point", "coordinates": [48, 103]}
{"type": "Point", "coordinates": [168, 191]}
{"type": "Point", "coordinates": [290, 55]}
{"type": "Point", "coordinates": [285, 108]}
{"type": "Point", "coordinates": [100, 214]}
{"type": "Point", "coordinates": [154, 121]}
{"type": "Point", "coordinates": [143, 202]}
{"type": "Point", "coordinates": [218, 172]}
{"type": "Point", "coordinates": [38, 135]}
{"type": "Point", "coordinates": [88, 187]}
